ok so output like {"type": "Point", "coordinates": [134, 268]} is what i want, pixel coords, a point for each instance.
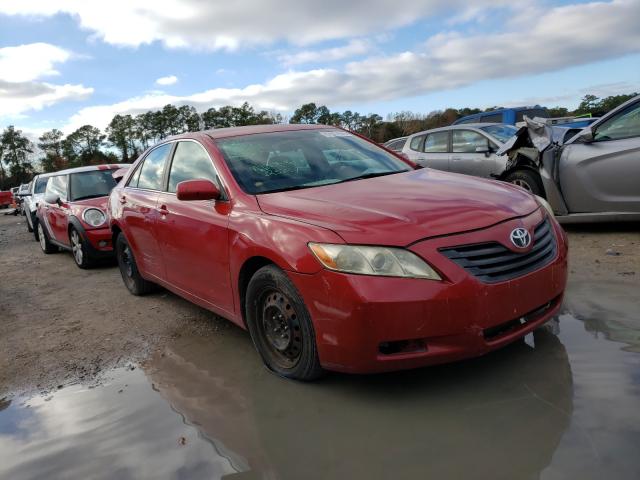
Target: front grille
{"type": "Point", "coordinates": [492, 262]}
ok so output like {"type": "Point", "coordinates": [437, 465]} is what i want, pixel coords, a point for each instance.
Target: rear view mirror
{"type": "Point", "coordinates": [197, 190]}
{"type": "Point", "coordinates": [52, 198]}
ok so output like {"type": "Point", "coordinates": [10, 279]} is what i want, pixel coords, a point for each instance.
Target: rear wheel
{"type": "Point", "coordinates": [129, 270]}
{"type": "Point", "coordinates": [46, 246]}
{"type": "Point", "coordinates": [528, 180]}
{"type": "Point", "coordinates": [280, 325]}
{"type": "Point", "coordinates": [79, 250]}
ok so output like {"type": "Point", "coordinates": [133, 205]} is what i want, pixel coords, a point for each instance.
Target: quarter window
{"type": "Point", "coordinates": [190, 162]}
{"type": "Point", "coordinates": [466, 141]}
{"type": "Point", "coordinates": [437, 142]}
{"type": "Point", "coordinates": [625, 124]}
{"type": "Point", "coordinates": [151, 172]}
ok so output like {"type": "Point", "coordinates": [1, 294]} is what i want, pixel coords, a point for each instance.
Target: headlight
{"type": "Point", "coordinates": [545, 204]}
{"type": "Point", "coordinates": [383, 261]}
{"type": "Point", "coordinates": [94, 217]}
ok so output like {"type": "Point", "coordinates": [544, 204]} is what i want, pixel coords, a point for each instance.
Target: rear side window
{"type": "Point", "coordinates": [152, 170]}
{"type": "Point", "coordinates": [437, 142]}
{"type": "Point", "coordinates": [191, 162]}
{"type": "Point", "coordinates": [532, 113]}
{"type": "Point", "coordinates": [58, 186]}
{"type": "Point", "coordinates": [416, 143]}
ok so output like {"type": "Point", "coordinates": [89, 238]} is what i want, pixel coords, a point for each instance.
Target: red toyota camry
{"type": "Point", "coordinates": [335, 253]}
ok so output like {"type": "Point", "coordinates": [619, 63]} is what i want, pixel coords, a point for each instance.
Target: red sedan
{"type": "Point", "coordinates": [335, 253]}
{"type": "Point", "coordinates": [72, 214]}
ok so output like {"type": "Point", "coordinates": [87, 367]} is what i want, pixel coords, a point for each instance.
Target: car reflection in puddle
{"type": "Point", "coordinates": [566, 408]}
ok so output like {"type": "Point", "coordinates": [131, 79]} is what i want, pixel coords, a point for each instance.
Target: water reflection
{"type": "Point", "coordinates": [503, 415]}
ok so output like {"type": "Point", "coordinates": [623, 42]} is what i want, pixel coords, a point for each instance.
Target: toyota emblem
{"type": "Point", "coordinates": [520, 237]}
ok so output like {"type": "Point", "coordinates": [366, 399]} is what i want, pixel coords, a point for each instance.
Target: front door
{"type": "Point", "coordinates": [604, 175]}
{"type": "Point", "coordinates": [193, 235]}
{"type": "Point", "coordinates": [464, 157]}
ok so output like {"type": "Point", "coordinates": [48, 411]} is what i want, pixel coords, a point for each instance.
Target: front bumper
{"type": "Point", "coordinates": [359, 319]}
{"type": "Point", "coordinates": [99, 242]}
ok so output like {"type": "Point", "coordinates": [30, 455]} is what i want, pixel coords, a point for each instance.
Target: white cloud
{"type": "Point", "coordinates": [229, 25]}
{"type": "Point", "coordinates": [168, 80]}
{"type": "Point", "coordinates": [555, 39]}
{"type": "Point", "coordinates": [20, 69]}
{"type": "Point", "coordinates": [354, 48]}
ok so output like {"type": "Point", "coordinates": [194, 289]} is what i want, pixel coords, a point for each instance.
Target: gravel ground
{"type": "Point", "coordinates": [60, 325]}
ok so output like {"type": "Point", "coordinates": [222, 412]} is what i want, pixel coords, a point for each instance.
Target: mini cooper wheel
{"type": "Point", "coordinates": [79, 250]}
{"type": "Point", "coordinates": [46, 246]}
{"type": "Point", "coordinates": [129, 270]}
{"type": "Point", "coordinates": [529, 181]}
{"type": "Point", "coordinates": [280, 325]}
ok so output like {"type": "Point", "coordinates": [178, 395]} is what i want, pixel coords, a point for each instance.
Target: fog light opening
{"type": "Point", "coordinates": [103, 243]}
{"type": "Point", "coordinates": [402, 346]}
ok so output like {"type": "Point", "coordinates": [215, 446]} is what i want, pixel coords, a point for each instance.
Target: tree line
{"type": "Point", "coordinates": [127, 136]}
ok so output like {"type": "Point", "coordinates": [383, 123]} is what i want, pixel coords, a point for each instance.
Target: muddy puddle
{"type": "Point", "coordinates": [566, 405]}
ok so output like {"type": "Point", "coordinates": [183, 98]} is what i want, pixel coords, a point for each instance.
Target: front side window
{"type": "Point", "coordinates": [152, 170]}
{"type": "Point", "coordinates": [269, 162]}
{"type": "Point", "coordinates": [466, 141]}
{"type": "Point", "coordinates": [190, 162]}
{"type": "Point", "coordinates": [92, 184]}
{"type": "Point", "coordinates": [625, 124]}
{"type": "Point", "coordinates": [58, 186]}
{"type": "Point", "coordinates": [437, 142]}
{"type": "Point", "coordinates": [41, 185]}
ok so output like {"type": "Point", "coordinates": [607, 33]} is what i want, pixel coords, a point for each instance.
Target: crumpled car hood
{"type": "Point", "coordinates": [400, 209]}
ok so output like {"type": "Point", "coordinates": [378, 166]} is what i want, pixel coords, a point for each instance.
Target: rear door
{"type": "Point", "coordinates": [604, 175]}
{"type": "Point", "coordinates": [56, 217]}
{"type": "Point", "coordinates": [430, 150]}
{"type": "Point", "coordinates": [193, 235]}
{"type": "Point", "coordinates": [139, 200]}
{"type": "Point", "coordinates": [465, 159]}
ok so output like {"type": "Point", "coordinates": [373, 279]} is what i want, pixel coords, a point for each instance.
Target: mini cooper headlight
{"type": "Point", "coordinates": [382, 261]}
{"type": "Point", "coordinates": [545, 204]}
{"type": "Point", "coordinates": [94, 217]}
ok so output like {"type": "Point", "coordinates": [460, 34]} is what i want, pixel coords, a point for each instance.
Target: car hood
{"type": "Point", "coordinates": [81, 205]}
{"type": "Point", "coordinates": [401, 209]}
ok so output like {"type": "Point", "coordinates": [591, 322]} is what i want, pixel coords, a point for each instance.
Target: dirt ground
{"type": "Point", "coordinates": [60, 325]}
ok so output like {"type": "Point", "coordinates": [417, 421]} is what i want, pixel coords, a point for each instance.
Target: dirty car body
{"type": "Point", "coordinates": [592, 176]}
{"type": "Point", "coordinates": [335, 253]}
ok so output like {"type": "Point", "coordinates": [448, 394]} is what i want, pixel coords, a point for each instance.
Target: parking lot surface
{"type": "Point", "coordinates": [189, 397]}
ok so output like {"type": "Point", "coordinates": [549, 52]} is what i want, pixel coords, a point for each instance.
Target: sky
{"type": "Point", "coordinates": [67, 63]}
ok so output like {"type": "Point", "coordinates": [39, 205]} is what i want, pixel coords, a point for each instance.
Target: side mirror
{"type": "Point", "coordinates": [52, 198]}
{"type": "Point", "coordinates": [486, 149]}
{"type": "Point", "coordinates": [197, 190]}
{"type": "Point", "coordinates": [586, 135]}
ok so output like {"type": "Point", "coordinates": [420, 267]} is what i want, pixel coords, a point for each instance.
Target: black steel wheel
{"type": "Point", "coordinates": [280, 325]}
{"type": "Point", "coordinates": [129, 270]}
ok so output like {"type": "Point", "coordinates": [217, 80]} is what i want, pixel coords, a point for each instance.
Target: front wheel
{"type": "Point", "coordinates": [79, 250]}
{"type": "Point", "coordinates": [280, 325]}
{"type": "Point", "coordinates": [528, 180]}
{"type": "Point", "coordinates": [129, 270]}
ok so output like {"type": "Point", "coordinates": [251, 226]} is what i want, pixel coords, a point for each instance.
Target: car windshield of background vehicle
{"type": "Point", "coordinates": [41, 185]}
{"type": "Point", "coordinates": [93, 184]}
{"type": "Point", "coordinates": [270, 162]}
{"type": "Point", "coordinates": [500, 132]}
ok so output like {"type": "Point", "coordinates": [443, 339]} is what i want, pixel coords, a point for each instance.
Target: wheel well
{"type": "Point", "coordinates": [115, 231]}
{"type": "Point", "coordinates": [249, 268]}
{"type": "Point", "coordinates": [525, 165]}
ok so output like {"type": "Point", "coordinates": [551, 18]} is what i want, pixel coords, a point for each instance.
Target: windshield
{"type": "Point", "coordinates": [96, 183]}
{"type": "Point", "coordinates": [502, 133]}
{"type": "Point", "coordinates": [41, 185]}
{"type": "Point", "coordinates": [278, 161]}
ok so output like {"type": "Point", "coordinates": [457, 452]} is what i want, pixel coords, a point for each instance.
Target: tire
{"type": "Point", "coordinates": [46, 246]}
{"type": "Point", "coordinates": [528, 180]}
{"type": "Point", "coordinates": [79, 250]}
{"type": "Point", "coordinates": [280, 326]}
{"type": "Point", "coordinates": [129, 270]}
{"type": "Point", "coordinates": [29, 222]}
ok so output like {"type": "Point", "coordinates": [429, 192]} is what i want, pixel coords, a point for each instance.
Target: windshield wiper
{"type": "Point", "coordinates": [371, 175]}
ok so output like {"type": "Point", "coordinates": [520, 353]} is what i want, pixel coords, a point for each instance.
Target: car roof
{"type": "Point", "coordinates": [90, 168]}
{"type": "Point", "coordinates": [253, 129]}
{"type": "Point", "coordinates": [462, 126]}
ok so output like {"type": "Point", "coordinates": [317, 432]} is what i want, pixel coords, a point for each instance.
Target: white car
{"type": "Point", "coordinates": [35, 194]}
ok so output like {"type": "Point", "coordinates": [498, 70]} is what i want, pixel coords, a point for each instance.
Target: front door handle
{"type": "Point", "coordinates": [123, 199]}
{"type": "Point", "coordinates": [163, 210]}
